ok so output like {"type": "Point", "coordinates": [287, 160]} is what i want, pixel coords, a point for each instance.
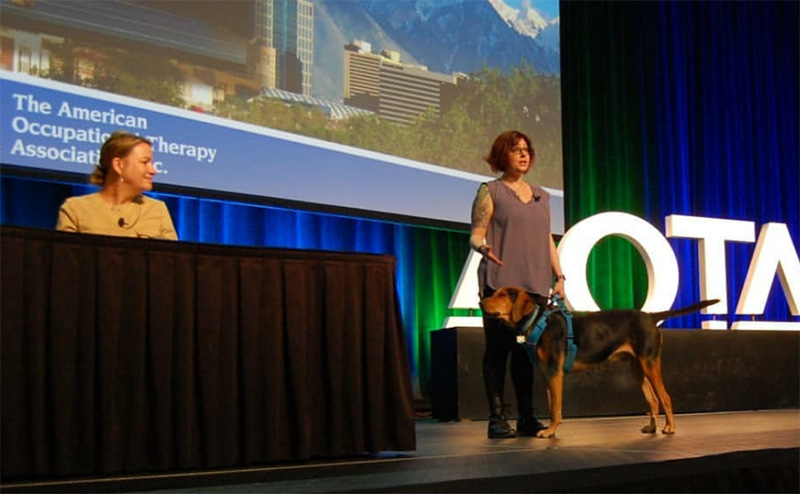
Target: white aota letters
{"type": "Point", "coordinates": [774, 254]}
{"type": "Point", "coordinates": [712, 234]}
{"type": "Point", "coordinates": [577, 244]}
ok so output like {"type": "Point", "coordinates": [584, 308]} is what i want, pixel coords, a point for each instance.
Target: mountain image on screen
{"type": "Point", "coordinates": [426, 85]}
{"type": "Point", "coordinates": [446, 36]}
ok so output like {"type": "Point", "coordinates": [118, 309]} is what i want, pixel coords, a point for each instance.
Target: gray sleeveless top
{"type": "Point", "coordinates": [519, 234]}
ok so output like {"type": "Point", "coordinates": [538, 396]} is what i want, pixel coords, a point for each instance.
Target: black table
{"type": "Point", "coordinates": [132, 355]}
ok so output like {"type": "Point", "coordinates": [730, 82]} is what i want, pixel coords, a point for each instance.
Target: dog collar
{"type": "Point", "coordinates": [523, 331]}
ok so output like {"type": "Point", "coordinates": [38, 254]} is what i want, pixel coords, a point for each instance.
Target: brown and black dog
{"type": "Point", "coordinates": [599, 336]}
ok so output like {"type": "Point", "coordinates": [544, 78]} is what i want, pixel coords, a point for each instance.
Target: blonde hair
{"type": "Point", "coordinates": [118, 145]}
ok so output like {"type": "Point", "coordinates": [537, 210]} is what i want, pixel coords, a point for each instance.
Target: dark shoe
{"type": "Point", "coordinates": [499, 428]}
{"type": "Point", "coordinates": [529, 426]}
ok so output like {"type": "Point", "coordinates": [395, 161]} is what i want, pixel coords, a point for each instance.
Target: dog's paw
{"type": "Point", "coordinates": [547, 433]}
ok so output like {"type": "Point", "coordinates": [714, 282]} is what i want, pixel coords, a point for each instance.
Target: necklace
{"type": "Point", "coordinates": [518, 189]}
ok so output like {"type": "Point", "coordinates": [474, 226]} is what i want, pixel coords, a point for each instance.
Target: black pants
{"type": "Point", "coordinates": [501, 340]}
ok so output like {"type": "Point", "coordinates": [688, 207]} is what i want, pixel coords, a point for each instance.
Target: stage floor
{"type": "Point", "coordinates": [755, 451]}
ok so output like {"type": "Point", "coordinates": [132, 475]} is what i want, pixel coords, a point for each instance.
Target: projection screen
{"type": "Point", "coordinates": [369, 108]}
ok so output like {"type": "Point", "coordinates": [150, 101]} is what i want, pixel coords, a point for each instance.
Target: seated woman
{"type": "Point", "coordinates": [125, 171]}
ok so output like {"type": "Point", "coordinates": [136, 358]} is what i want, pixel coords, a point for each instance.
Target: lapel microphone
{"type": "Point", "coordinates": [123, 223]}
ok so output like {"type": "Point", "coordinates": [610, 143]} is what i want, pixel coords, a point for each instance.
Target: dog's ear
{"type": "Point", "coordinates": [523, 305]}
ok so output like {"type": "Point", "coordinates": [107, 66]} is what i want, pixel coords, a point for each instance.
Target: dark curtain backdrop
{"type": "Point", "coordinates": [684, 108]}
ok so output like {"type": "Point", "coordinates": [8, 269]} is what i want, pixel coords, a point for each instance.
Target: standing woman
{"type": "Point", "coordinates": [511, 230]}
{"type": "Point", "coordinates": [125, 171]}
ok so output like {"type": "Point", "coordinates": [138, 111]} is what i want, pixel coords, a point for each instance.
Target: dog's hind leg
{"type": "Point", "coordinates": [649, 395]}
{"type": "Point", "coordinates": [652, 372]}
{"type": "Point", "coordinates": [652, 400]}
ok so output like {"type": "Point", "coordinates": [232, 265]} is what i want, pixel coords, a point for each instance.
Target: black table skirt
{"type": "Point", "coordinates": [128, 355]}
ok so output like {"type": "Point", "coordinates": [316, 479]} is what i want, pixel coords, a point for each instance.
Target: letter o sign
{"type": "Point", "coordinates": [659, 258]}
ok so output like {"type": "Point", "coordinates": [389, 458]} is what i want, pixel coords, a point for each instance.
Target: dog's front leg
{"type": "Point", "coordinates": [555, 392]}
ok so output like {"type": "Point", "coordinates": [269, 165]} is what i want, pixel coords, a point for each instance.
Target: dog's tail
{"type": "Point", "coordinates": [660, 316]}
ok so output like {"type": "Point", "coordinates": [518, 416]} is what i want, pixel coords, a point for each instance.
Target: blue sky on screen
{"type": "Point", "coordinates": [548, 8]}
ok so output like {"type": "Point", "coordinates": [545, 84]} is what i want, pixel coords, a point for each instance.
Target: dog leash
{"type": "Point", "coordinates": [539, 327]}
{"type": "Point", "coordinates": [572, 348]}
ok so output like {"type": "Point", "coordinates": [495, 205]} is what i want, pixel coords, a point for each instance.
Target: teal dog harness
{"type": "Point", "coordinates": [538, 321]}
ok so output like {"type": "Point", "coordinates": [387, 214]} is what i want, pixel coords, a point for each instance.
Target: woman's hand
{"type": "Point", "coordinates": [486, 251]}
{"type": "Point", "coordinates": [558, 289]}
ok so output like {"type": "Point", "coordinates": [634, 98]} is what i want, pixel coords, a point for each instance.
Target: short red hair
{"type": "Point", "coordinates": [498, 155]}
